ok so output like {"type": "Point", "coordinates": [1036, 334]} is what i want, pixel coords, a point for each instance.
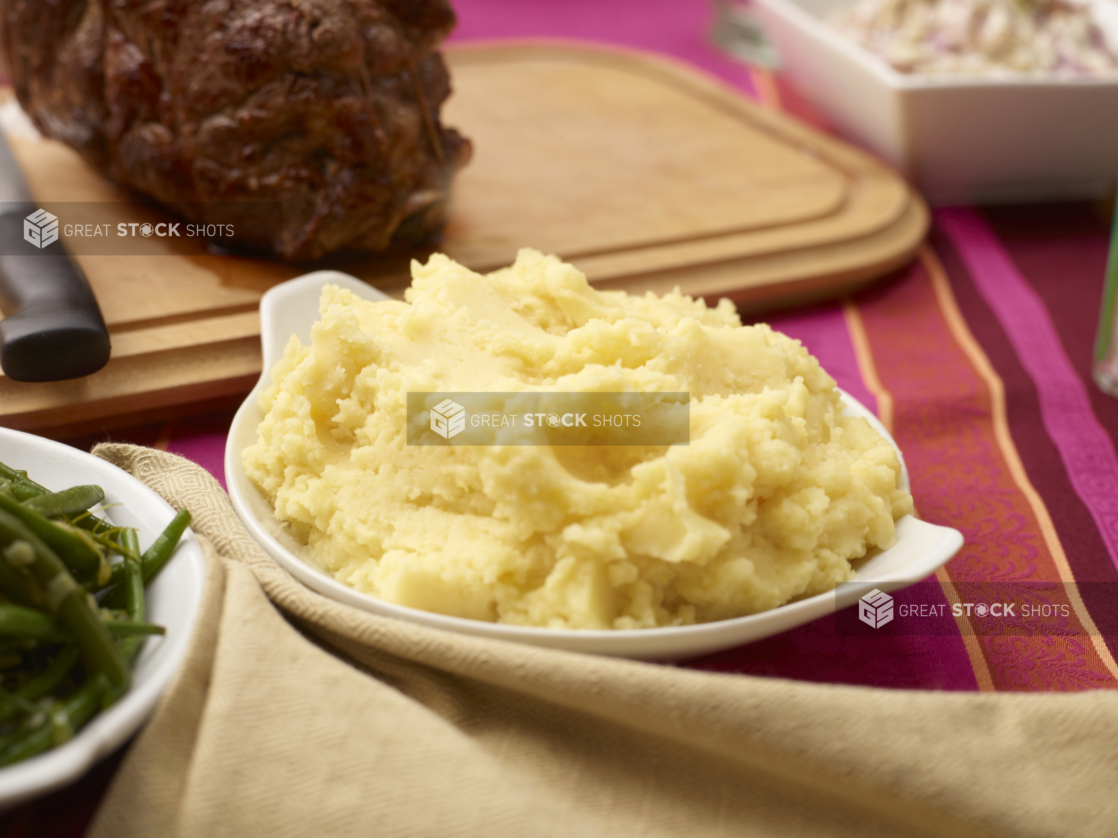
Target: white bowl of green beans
{"type": "Point", "coordinates": [98, 598]}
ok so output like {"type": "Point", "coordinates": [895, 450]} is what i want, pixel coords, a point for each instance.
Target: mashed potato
{"type": "Point", "coordinates": [774, 497]}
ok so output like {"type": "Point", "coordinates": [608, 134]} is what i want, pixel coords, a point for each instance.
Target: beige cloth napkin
{"type": "Point", "coordinates": [294, 715]}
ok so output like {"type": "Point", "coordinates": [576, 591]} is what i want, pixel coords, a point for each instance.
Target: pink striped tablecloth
{"type": "Point", "coordinates": [977, 356]}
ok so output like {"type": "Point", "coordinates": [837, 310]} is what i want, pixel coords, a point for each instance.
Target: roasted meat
{"type": "Point", "coordinates": [228, 110]}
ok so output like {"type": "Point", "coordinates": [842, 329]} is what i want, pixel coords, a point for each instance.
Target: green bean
{"type": "Point", "coordinates": [17, 476]}
{"type": "Point", "coordinates": [18, 586]}
{"type": "Point", "coordinates": [21, 704]}
{"type": "Point", "coordinates": [153, 560]}
{"type": "Point", "coordinates": [24, 489]}
{"type": "Point", "coordinates": [28, 624]}
{"type": "Point", "coordinates": [22, 486]}
{"type": "Point", "coordinates": [111, 545]}
{"type": "Point", "coordinates": [134, 599]}
{"type": "Point", "coordinates": [115, 586]}
{"type": "Point", "coordinates": [65, 719]}
{"type": "Point", "coordinates": [45, 682]}
{"type": "Point", "coordinates": [7, 740]}
{"type": "Point", "coordinates": [72, 501]}
{"type": "Point", "coordinates": [133, 628]}
{"type": "Point", "coordinates": [70, 603]}
{"type": "Point", "coordinates": [73, 546]}
{"type": "Point", "coordinates": [133, 576]}
{"type": "Point", "coordinates": [19, 623]}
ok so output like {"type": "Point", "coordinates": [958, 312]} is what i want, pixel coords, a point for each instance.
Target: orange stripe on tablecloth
{"type": "Point", "coordinates": [864, 355]}
{"type": "Point", "coordinates": [166, 434]}
{"type": "Point", "coordinates": [970, 639]}
{"type": "Point", "coordinates": [866, 366]}
{"type": "Point", "coordinates": [765, 87]}
{"type": "Point", "coordinates": [982, 365]}
{"type": "Point", "coordinates": [946, 421]}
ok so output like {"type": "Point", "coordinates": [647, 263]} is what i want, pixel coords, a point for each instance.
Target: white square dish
{"type": "Point", "coordinates": [292, 308]}
{"type": "Point", "coordinates": [959, 139]}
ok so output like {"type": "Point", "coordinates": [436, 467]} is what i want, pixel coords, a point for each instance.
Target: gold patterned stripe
{"type": "Point", "coordinates": [863, 353]}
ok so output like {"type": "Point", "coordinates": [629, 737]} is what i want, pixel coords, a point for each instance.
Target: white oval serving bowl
{"type": "Point", "coordinates": [173, 600]}
{"type": "Point", "coordinates": [292, 308]}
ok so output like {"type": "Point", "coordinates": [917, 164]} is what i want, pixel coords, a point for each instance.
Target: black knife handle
{"type": "Point", "coordinates": [53, 329]}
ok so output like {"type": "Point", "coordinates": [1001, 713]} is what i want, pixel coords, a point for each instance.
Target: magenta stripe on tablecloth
{"type": "Point", "coordinates": [677, 28]}
{"type": "Point", "coordinates": [1085, 447]}
{"type": "Point", "coordinates": [207, 450]}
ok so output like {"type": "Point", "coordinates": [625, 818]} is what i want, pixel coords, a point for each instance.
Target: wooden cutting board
{"type": "Point", "coordinates": [638, 170]}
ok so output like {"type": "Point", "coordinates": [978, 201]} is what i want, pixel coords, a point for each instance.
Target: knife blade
{"type": "Point", "coordinates": [52, 329]}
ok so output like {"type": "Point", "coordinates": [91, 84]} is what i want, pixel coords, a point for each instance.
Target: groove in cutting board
{"type": "Point", "coordinates": [183, 317]}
